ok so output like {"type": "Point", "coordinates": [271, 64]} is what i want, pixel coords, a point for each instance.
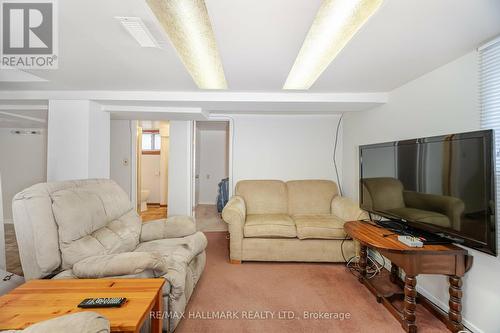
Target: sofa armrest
{"type": "Point", "coordinates": [347, 209]}
{"type": "Point", "coordinates": [86, 321]}
{"type": "Point", "coordinates": [172, 227]}
{"type": "Point", "coordinates": [234, 214]}
{"type": "Point", "coordinates": [450, 206]}
{"type": "Point", "coordinates": [127, 263]}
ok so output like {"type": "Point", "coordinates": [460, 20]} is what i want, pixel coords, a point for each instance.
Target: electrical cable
{"type": "Point", "coordinates": [335, 154]}
{"type": "Point", "coordinates": [372, 268]}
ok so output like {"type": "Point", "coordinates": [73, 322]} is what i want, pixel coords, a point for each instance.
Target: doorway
{"type": "Point", "coordinates": [212, 150]}
{"type": "Point", "coordinates": [153, 145]}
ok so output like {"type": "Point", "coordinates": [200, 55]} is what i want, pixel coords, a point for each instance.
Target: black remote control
{"type": "Point", "coordinates": [115, 302]}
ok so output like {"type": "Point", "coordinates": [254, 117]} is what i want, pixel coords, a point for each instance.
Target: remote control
{"type": "Point", "coordinates": [410, 241]}
{"type": "Point", "coordinates": [102, 302]}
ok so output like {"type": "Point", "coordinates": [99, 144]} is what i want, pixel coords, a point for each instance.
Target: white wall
{"type": "Point", "coordinates": [285, 147]}
{"type": "Point", "coordinates": [121, 154]}
{"type": "Point", "coordinates": [150, 169]}
{"type": "Point", "coordinates": [23, 163]}
{"type": "Point", "coordinates": [180, 168]}
{"type": "Point", "coordinates": [78, 140]}
{"type": "Point", "coordinates": [213, 164]}
{"type": "Point", "coordinates": [3, 265]}
{"type": "Point", "coordinates": [99, 141]}
{"type": "Point", "coordinates": [440, 102]}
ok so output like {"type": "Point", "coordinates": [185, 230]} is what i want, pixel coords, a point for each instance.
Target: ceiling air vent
{"type": "Point", "coordinates": [137, 29]}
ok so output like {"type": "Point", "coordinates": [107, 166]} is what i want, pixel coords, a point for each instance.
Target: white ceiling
{"type": "Point", "coordinates": [258, 43]}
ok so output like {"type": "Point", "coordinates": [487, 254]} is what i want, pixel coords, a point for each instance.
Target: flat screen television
{"type": "Point", "coordinates": [442, 184]}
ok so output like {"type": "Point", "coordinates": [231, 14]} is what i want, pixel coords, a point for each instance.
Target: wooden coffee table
{"type": "Point", "coordinates": [39, 300]}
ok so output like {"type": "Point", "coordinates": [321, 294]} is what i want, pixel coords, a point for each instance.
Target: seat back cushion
{"type": "Point", "coordinates": [263, 196]}
{"type": "Point", "coordinates": [60, 223]}
{"type": "Point", "coordinates": [310, 196]}
{"type": "Point", "coordinates": [383, 194]}
{"type": "Point", "coordinates": [94, 219]}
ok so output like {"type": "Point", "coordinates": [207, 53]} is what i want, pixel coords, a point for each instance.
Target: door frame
{"type": "Point", "coordinates": [230, 122]}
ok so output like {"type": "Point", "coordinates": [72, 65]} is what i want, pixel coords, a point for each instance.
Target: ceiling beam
{"type": "Point", "coordinates": [20, 116]}
{"type": "Point", "coordinates": [146, 112]}
{"type": "Point", "coordinates": [187, 96]}
{"type": "Point", "coordinates": [24, 107]}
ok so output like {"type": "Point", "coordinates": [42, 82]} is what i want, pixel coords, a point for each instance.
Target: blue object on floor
{"type": "Point", "coordinates": [223, 196]}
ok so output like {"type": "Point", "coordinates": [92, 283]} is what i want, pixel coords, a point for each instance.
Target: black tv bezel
{"type": "Point", "coordinates": [490, 247]}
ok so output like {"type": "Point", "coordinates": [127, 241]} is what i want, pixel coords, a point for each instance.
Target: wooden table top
{"type": "Point", "coordinates": [39, 300]}
{"type": "Point", "coordinates": [372, 235]}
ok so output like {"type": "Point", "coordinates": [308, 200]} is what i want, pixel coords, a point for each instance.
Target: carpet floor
{"type": "Point", "coordinates": [208, 219]}
{"type": "Point", "coordinates": [273, 297]}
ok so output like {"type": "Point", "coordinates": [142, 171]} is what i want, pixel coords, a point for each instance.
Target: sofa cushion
{"type": "Point", "coordinates": [306, 197]}
{"type": "Point", "coordinates": [263, 196]}
{"type": "Point", "coordinates": [426, 216]}
{"type": "Point", "coordinates": [319, 227]}
{"type": "Point", "coordinates": [269, 225]}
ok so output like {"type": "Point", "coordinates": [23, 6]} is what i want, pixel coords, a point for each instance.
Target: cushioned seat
{"type": "Point", "coordinates": [269, 225]}
{"type": "Point", "coordinates": [319, 227]}
{"type": "Point", "coordinates": [89, 229]}
{"type": "Point", "coordinates": [427, 216]}
{"type": "Point", "coordinates": [262, 226]}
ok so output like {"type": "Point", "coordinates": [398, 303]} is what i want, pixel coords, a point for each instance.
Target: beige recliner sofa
{"type": "Point", "coordinates": [79, 322]}
{"type": "Point", "coordinates": [90, 229]}
{"type": "Point", "coordinates": [300, 220]}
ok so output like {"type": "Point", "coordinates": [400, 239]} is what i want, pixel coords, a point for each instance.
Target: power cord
{"type": "Point", "coordinates": [335, 154]}
{"type": "Point", "coordinates": [373, 267]}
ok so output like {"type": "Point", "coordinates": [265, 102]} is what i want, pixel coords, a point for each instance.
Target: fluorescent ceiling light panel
{"type": "Point", "coordinates": [138, 30]}
{"type": "Point", "coordinates": [190, 31]}
{"type": "Point", "coordinates": [336, 22]}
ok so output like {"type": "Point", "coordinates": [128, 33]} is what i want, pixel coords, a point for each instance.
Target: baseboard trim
{"type": "Point", "coordinates": [443, 306]}
{"type": "Point", "coordinates": [437, 302]}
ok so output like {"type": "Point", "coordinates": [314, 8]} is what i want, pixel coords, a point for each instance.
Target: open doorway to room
{"type": "Point", "coordinates": [211, 173]}
{"type": "Point", "coordinates": [23, 163]}
{"type": "Point", "coordinates": [152, 169]}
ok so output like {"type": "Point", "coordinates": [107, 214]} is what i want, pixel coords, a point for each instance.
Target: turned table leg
{"type": "Point", "coordinates": [410, 304]}
{"type": "Point", "coordinates": [394, 277]}
{"type": "Point", "coordinates": [363, 257]}
{"type": "Point", "coordinates": [455, 312]}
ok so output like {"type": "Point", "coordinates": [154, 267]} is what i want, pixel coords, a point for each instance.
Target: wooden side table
{"type": "Point", "coordinates": [449, 260]}
{"type": "Point", "coordinates": [39, 300]}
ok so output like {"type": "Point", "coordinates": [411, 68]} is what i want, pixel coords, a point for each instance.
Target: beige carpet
{"type": "Point", "coordinates": [272, 297]}
{"type": "Point", "coordinates": [208, 219]}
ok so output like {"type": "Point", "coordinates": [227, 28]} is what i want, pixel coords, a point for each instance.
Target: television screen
{"type": "Point", "coordinates": [443, 184]}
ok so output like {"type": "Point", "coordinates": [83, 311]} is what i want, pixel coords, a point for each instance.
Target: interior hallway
{"type": "Point", "coordinates": [208, 219]}
{"type": "Point", "coordinates": [154, 212]}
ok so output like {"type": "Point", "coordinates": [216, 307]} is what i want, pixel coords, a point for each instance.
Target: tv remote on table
{"type": "Point", "coordinates": [410, 241]}
{"type": "Point", "coordinates": [115, 302]}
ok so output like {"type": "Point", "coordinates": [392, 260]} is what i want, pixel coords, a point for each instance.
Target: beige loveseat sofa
{"type": "Point", "coordinates": [90, 229]}
{"type": "Point", "coordinates": [301, 220]}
